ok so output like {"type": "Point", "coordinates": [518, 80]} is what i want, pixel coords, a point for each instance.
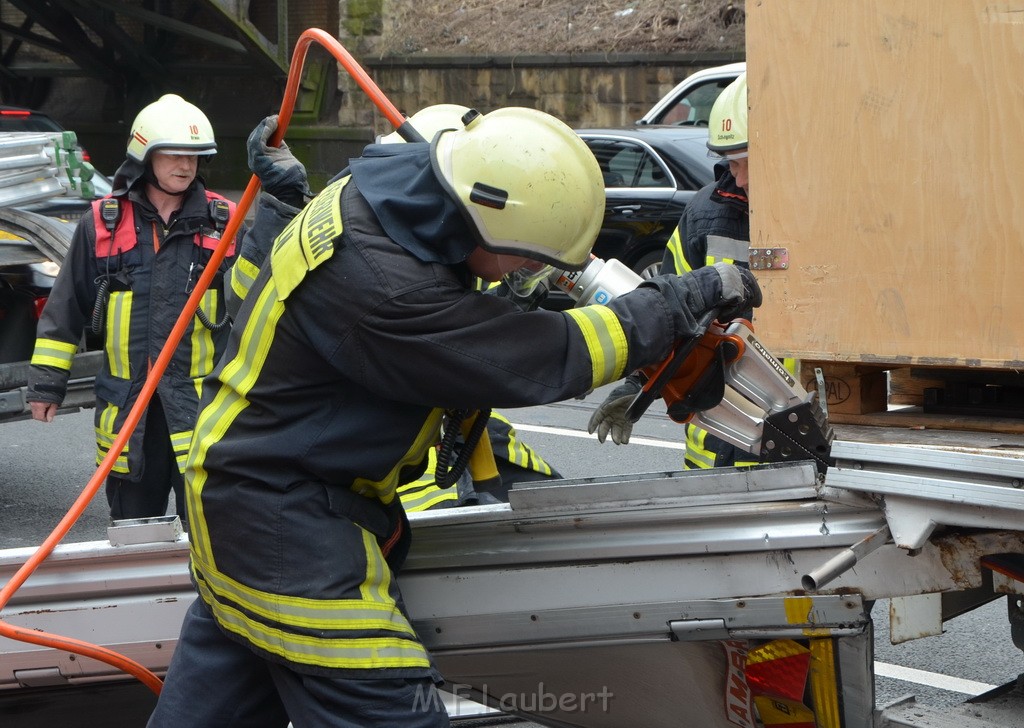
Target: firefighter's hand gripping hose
{"type": "Point", "coordinates": [85, 649]}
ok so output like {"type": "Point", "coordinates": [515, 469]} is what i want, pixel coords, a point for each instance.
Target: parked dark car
{"type": "Point", "coordinates": [651, 173]}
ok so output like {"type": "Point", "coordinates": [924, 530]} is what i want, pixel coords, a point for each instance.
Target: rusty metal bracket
{"type": "Point", "coordinates": [769, 258]}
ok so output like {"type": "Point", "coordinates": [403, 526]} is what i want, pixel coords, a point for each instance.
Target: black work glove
{"type": "Point", "coordinates": [705, 393]}
{"type": "Point", "coordinates": [730, 289]}
{"type": "Point", "coordinates": [610, 416]}
{"type": "Point", "coordinates": [280, 173]}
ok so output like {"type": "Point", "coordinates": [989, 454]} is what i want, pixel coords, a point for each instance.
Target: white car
{"type": "Point", "coordinates": [690, 102]}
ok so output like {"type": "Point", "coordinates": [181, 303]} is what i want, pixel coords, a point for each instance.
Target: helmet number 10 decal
{"type": "Point", "coordinates": [727, 124]}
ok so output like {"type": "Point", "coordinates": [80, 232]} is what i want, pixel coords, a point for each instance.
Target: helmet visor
{"type": "Point", "coordinates": [726, 156]}
{"type": "Point", "coordinates": [184, 151]}
{"type": "Point", "coordinates": [524, 280]}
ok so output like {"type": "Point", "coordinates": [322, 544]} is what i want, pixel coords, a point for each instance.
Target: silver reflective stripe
{"type": "Point", "coordinates": [721, 248]}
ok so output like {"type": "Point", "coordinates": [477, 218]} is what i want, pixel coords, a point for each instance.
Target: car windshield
{"type": "Point", "coordinates": [694, 109]}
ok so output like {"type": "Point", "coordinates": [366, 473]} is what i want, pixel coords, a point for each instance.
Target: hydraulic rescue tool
{"type": "Point", "coordinates": [764, 410]}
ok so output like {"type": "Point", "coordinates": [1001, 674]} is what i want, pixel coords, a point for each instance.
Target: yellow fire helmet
{"type": "Point", "coordinates": [727, 125]}
{"type": "Point", "coordinates": [526, 183]}
{"type": "Point", "coordinates": [429, 121]}
{"type": "Point", "coordinates": [172, 125]}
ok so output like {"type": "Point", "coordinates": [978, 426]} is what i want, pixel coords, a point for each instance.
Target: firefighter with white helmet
{"type": "Point", "coordinates": [173, 125]}
{"type": "Point", "coordinates": [132, 264]}
{"type": "Point", "coordinates": [727, 124]}
{"type": "Point", "coordinates": [362, 328]}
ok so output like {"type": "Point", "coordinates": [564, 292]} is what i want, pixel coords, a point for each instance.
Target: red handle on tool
{"type": "Point", "coordinates": [678, 375]}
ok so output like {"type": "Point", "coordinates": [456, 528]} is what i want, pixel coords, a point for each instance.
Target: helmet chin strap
{"type": "Point", "coordinates": [150, 178]}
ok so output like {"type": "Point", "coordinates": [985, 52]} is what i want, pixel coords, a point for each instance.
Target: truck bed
{"type": "Point", "coordinates": [628, 586]}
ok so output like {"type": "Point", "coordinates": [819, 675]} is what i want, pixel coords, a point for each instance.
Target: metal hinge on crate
{"type": "Point", "coordinates": [769, 258]}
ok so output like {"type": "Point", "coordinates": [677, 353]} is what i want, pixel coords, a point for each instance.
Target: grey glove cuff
{"type": "Point", "coordinates": [628, 387]}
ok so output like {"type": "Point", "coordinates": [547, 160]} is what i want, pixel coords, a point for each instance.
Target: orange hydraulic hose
{"type": "Point", "coordinates": [96, 652]}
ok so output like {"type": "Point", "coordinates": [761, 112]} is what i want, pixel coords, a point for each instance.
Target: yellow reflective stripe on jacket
{"type": "Point", "coordinates": [105, 436]}
{"type": "Point", "coordinates": [378, 579]}
{"type": "Point", "coordinates": [202, 348]}
{"type": "Point", "coordinates": [267, 620]}
{"type": "Point", "coordinates": [699, 456]}
{"type": "Point", "coordinates": [53, 353]}
{"type": "Point", "coordinates": [416, 496]}
{"type": "Point", "coordinates": [675, 247]}
{"type": "Point", "coordinates": [119, 313]}
{"type": "Point", "coordinates": [721, 249]}
{"type": "Point", "coordinates": [376, 610]}
{"type": "Point", "coordinates": [696, 453]}
{"type": "Point", "coordinates": [606, 342]}
{"type": "Point", "coordinates": [423, 493]}
{"type": "Point", "coordinates": [179, 443]}
{"type": "Point", "coordinates": [315, 229]}
{"type": "Point", "coordinates": [306, 242]}
{"type": "Point", "coordinates": [519, 453]}
{"type": "Point", "coordinates": [242, 275]}
{"type": "Point", "coordinates": [386, 487]}
{"type": "Point", "coordinates": [351, 653]}
{"type": "Point", "coordinates": [238, 378]}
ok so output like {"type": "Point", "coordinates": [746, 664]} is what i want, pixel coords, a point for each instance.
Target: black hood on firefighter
{"type": "Point", "coordinates": [398, 182]}
{"type": "Point", "coordinates": [127, 175]}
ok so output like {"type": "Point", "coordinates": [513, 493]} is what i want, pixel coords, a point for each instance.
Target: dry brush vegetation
{"type": "Point", "coordinates": [527, 27]}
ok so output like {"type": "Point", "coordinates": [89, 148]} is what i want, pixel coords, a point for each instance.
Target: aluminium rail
{"type": "Point", "coordinates": [626, 583]}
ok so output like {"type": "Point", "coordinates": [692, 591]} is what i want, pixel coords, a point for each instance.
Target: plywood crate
{"type": "Point", "coordinates": [887, 160]}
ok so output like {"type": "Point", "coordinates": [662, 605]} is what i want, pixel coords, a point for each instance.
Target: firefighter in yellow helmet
{"type": "Point", "coordinates": [714, 228]}
{"type": "Point", "coordinates": [132, 264]}
{"type": "Point", "coordinates": [361, 329]}
{"type": "Point", "coordinates": [515, 460]}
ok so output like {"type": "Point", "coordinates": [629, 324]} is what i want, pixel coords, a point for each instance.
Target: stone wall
{"type": "Point", "coordinates": [580, 90]}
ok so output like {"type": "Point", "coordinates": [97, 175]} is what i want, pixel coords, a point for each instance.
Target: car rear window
{"type": "Point", "coordinates": [18, 120]}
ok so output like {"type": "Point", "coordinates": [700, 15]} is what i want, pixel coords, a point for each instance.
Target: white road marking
{"type": "Point", "coordinates": [931, 679]}
{"type": "Point", "coordinates": [667, 444]}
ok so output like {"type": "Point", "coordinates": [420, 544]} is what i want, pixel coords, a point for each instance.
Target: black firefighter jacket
{"type": "Point", "coordinates": [345, 353]}
{"type": "Point", "coordinates": [148, 287]}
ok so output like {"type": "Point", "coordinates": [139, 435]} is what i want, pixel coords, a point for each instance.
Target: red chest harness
{"type": "Point", "coordinates": [115, 225]}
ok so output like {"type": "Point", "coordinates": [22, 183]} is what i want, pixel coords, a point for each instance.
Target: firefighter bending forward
{"type": "Point", "coordinates": [361, 328]}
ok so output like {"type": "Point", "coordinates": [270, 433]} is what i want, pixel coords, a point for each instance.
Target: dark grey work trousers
{"type": "Point", "coordinates": [147, 497]}
{"type": "Point", "coordinates": [215, 682]}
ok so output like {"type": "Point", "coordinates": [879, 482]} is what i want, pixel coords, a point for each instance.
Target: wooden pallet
{"type": "Point", "coordinates": [980, 400]}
